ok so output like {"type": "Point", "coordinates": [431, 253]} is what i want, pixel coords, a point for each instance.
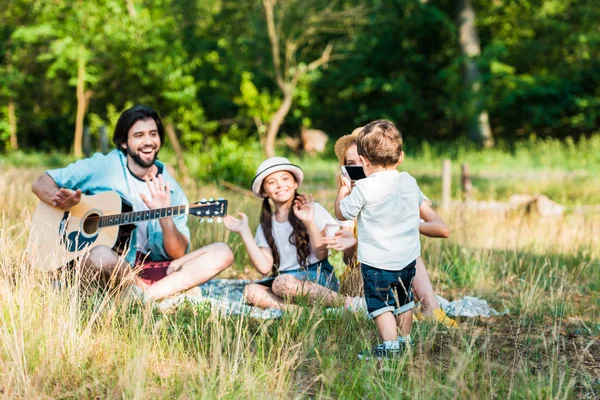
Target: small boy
{"type": "Point", "coordinates": [387, 205]}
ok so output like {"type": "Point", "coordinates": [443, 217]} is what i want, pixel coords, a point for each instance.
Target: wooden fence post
{"type": "Point", "coordinates": [465, 179]}
{"type": "Point", "coordinates": [446, 184]}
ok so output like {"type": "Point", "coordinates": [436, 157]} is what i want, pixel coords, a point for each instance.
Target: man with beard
{"type": "Point", "coordinates": [132, 170]}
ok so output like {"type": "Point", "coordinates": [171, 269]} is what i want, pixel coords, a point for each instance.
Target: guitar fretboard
{"type": "Point", "coordinates": [136, 216]}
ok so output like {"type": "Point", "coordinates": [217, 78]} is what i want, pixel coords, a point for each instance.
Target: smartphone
{"type": "Point", "coordinates": [353, 172]}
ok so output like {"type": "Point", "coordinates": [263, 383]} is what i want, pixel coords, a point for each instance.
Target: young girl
{"type": "Point", "coordinates": [432, 225]}
{"type": "Point", "coordinates": [288, 242]}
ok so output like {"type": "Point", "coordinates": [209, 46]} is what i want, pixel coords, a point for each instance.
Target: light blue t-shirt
{"type": "Point", "coordinates": [102, 173]}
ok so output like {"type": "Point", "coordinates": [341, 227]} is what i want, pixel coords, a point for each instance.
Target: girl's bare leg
{"type": "Point", "coordinates": [263, 297]}
{"type": "Point", "coordinates": [288, 286]}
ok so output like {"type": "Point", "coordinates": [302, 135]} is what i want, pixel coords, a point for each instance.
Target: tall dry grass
{"type": "Point", "coordinates": [59, 339]}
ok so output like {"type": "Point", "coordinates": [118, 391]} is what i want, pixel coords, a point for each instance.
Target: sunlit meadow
{"type": "Point", "coordinates": [63, 340]}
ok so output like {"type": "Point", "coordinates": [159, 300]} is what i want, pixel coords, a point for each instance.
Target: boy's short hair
{"type": "Point", "coordinates": [380, 142]}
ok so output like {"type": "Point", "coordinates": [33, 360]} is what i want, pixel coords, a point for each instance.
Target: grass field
{"type": "Point", "coordinates": [73, 342]}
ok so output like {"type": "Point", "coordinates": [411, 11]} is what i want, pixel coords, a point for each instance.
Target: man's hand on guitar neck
{"type": "Point", "coordinates": [66, 198]}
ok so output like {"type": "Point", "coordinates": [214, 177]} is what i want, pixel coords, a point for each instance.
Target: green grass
{"type": "Point", "coordinates": [73, 342]}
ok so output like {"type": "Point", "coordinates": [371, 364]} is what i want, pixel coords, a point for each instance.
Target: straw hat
{"type": "Point", "coordinates": [343, 143]}
{"type": "Point", "coordinates": [272, 165]}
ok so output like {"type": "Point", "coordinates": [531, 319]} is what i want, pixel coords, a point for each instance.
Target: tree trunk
{"type": "Point", "coordinates": [183, 172]}
{"type": "Point", "coordinates": [81, 105]}
{"type": "Point", "coordinates": [12, 125]}
{"type": "Point", "coordinates": [479, 125]}
{"type": "Point", "coordinates": [276, 122]}
{"type": "Point", "coordinates": [131, 9]}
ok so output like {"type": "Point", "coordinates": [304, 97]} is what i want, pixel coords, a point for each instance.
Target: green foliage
{"type": "Point", "coordinates": [206, 67]}
{"type": "Point", "coordinates": [228, 160]}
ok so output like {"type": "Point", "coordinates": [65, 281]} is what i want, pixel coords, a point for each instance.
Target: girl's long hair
{"type": "Point", "coordinates": [298, 238]}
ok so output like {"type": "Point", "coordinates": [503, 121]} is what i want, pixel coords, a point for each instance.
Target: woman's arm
{"type": "Point", "coordinates": [433, 225]}
{"type": "Point", "coordinates": [261, 257]}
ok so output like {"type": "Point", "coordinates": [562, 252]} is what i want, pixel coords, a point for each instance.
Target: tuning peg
{"type": "Point", "coordinates": [219, 220]}
{"type": "Point", "coordinates": [202, 200]}
{"type": "Point", "coordinates": [221, 198]}
{"type": "Point", "coordinates": [201, 220]}
{"type": "Point", "coordinates": [207, 213]}
{"type": "Point", "coordinates": [211, 199]}
{"type": "Point", "coordinates": [209, 220]}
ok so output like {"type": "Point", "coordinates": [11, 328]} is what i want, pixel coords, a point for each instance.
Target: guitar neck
{"type": "Point", "coordinates": [138, 216]}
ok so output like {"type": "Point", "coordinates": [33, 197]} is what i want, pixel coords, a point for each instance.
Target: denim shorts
{"type": "Point", "coordinates": [320, 272]}
{"type": "Point", "coordinates": [388, 290]}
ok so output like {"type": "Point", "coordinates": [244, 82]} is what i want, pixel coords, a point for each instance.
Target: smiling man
{"type": "Point", "coordinates": [158, 247]}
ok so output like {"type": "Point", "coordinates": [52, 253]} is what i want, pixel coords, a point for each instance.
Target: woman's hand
{"type": "Point", "coordinates": [342, 240]}
{"type": "Point", "coordinates": [345, 181]}
{"type": "Point", "coordinates": [304, 208]}
{"type": "Point", "coordinates": [237, 225]}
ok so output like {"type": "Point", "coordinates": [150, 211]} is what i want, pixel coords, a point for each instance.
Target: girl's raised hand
{"type": "Point", "coordinates": [304, 207]}
{"type": "Point", "coordinates": [236, 225]}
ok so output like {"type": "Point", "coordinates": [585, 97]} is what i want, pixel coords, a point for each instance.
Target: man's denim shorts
{"type": "Point", "coordinates": [388, 290]}
{"type": "Point", "coordinates": [320, 272]}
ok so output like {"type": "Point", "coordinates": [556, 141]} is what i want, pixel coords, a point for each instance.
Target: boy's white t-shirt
{"type": "Point", "coordinates": [288, 259]}
{"type": "Point", "coordinates": [387, 205]}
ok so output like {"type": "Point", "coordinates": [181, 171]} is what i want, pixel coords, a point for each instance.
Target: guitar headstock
{"type": "Point", "coordinates": [208, 210]}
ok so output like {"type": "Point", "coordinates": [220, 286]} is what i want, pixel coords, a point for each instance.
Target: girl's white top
{"type": "Point", "coordinates": [288, 259]}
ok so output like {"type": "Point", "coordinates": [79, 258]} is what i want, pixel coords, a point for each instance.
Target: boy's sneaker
{"type": "Point", "coordinates": [381, 351]}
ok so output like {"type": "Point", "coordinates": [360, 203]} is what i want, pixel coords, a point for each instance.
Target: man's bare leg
{"type": "Point", "coordinates": [263, 297]}
{"type": "Point", "coordinates": [288, 286]}
{"type": "Point", "coordinates": [103, 263]}
{"type": "Point", "coordinates": [191, 270]}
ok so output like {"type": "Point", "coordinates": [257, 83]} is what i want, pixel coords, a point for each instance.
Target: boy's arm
{"type": "Point", "coordinates": [349, 203]}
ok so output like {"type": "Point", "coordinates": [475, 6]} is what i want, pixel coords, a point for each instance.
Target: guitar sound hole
{"type": "Point", "coordinates": [90, 225]}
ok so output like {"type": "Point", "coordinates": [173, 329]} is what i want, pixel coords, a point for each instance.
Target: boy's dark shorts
{"type": "Point", "coordinates": [388, 290]}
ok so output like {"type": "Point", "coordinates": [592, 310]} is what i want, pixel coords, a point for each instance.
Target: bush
{"type": "Point", "coordinates": [227, 160]}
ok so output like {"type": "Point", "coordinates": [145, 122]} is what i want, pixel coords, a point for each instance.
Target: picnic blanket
{"type": "Point", "coordinates": [226, 297]}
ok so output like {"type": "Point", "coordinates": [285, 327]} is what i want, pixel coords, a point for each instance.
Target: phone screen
{"type": "Point", "coordinates": [354, 172]}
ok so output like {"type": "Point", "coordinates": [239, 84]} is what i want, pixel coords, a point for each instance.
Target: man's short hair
{"type": "Point", "coordinates": [380, 142]}
{"type": "Point", "coordinates": [130, 117]}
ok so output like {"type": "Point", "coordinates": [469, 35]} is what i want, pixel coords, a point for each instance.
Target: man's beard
{"type": "Point", "coordinates": [139, 161]}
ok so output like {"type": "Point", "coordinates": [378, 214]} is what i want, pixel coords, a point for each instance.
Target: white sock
{"type": "Point", "coordinates": [391, 344]}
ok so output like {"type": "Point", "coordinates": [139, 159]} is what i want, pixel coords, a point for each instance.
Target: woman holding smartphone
{"type": "Point", "coordinates": [432, 225]}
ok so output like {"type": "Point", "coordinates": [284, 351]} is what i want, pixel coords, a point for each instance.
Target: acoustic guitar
{"type": "Point", "coordinates": [57, 237]}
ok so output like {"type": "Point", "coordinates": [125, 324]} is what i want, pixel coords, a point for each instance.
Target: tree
{"type": "Point", "coordinates": [479, 125]}
{"type": "Point", "coordinates": [76, 41]}
{"type": "Point", "coordinates": [294, 29]}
